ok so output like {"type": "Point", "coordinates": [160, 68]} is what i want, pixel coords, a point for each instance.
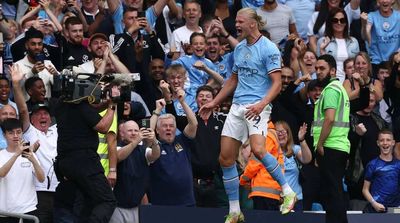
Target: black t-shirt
{"type": "Point", "coordinates": [72, 54]}
{"type": "Point", "coordinates": [75, 123]}
{"type": "Point", "coordinates": [369, 148]}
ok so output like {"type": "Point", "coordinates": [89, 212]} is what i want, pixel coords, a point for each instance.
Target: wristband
{"type": "Point", "coordinates": [112, 170]}
{"type": "Point", "coordinates": [156, 113]}
{"type": "Point", "coordinates": [154, 143]}
{"type": "Point", "coordinates": [112, 107]}
{"type": "Point", "coordinates": [227, 35]}
{"type": "Point", "coordinates": [302, 140]}
{"type": "Point", "coordinates": [169, 102]}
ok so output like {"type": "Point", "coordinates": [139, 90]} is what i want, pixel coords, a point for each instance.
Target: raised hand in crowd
{"type": "Point", "coordinates": [181, 94]}
{"type": "Point", "coordinates": [160, 104]}
{"type": "Point", "coordinates": [302, 132]}
{"type": "Point", "coordinates": [149, 136]}
{"type": "Point", "coordinates": [166, 90]}
{"type": "Point", "coordinates": [360, 129]}
{"type": "Point", "coordinates": [324, 44]}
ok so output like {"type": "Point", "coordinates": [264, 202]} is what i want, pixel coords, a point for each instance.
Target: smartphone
{"type": "Point", "coordinates": [26, 144]}
{"type": "Point", "coordinates": [145, 123]}
{"type": "Point", "coordinates": [141, 14]}
{"type": "Point", "coordinates": [42, 14]}
{"type": "Point", "coordinates": [40, 57]}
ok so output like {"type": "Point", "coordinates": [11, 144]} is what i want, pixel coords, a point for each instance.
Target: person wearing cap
{"type": "Point", "coordinates": [103, 59]}
{"type": "Point", "coordinates": [37, 130]}
{"type": "Point", "coordinates": [34, 64]}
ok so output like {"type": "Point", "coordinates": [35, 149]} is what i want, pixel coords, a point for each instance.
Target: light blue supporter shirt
{"type": "Point", "coordinates": [292, 172]}
{"type": "Point", "coordinates": [196, 77]}
{"type": "Point", "coordinates": [385, 36]}
{"type": "Point", "coordinates": [252, 3]}
{"type": "Point", "coordinates": [253, 64]}
{"type": "Point", "coordinates": [224, 65]}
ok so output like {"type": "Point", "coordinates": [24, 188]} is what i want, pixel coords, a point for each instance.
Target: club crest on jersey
{"type": "Point", "coordinates": [178, 147]}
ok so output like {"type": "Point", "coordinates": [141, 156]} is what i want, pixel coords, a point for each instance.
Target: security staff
{"type": "Point", "coordinates": [330, 130]}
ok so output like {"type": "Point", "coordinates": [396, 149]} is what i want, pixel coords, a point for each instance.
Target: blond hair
{"type": "Point", "coordinates": [252, 14]}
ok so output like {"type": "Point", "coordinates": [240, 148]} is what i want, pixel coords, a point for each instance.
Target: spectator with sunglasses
{"type": "Point", "coordinates": [337, 41]}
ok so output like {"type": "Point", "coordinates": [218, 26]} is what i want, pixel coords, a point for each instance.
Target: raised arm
{"type": "Point", "coordinates": [218, 79]}
{"type": "Point", "coordinates": [217, 23]}
{"type": "Point", "coordinates": [355, 4]}
{"type": "Point", "coordinates": [75, 6]}
{"type": "Point", "coordinates": [113, 5]}
{"type": "Point", "coordinates": [30, 14]}
{"type": "Point", "coordinates": [159, 6]}
{"type": "Point", "coordinates": [150, 140]}
{"type": "Point", "coordinates": [365, 28]}
{"type": "Point", "coordinates": [191, 128]}
{"type": "Point", "coordinates": [16, 77]}
{"type": "Point", "coordinates": [304, 154]}
{"type": "Point", "coordinates": [160, 104]}
{"type": "Point", "coordinates": [175, 11]}
{"type": "Point", "coordinates": [45, 5]}
{"type": "Point", "coordinates": [124, 152]}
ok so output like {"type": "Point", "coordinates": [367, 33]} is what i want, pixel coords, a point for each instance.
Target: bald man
{"type": "Point", "coordinates": [138, 147]}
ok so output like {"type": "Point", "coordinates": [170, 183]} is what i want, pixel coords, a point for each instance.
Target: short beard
{"type": "Point", "coordinates": [324, 82]}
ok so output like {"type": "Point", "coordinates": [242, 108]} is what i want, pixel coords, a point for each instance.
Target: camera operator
{"type": "Point", "coordinates": [78, 164]}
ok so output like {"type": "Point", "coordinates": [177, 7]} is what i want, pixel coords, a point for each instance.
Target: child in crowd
{"type": "Point", "coordinates": [381, 183]}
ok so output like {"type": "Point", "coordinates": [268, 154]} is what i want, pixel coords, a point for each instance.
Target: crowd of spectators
{"type": "Point", "coordinates": [183, 51]}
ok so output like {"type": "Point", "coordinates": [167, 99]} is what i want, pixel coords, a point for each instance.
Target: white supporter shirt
{"type": "Point", "coordinates": [46, 154]}
{"type": "Point", "coordinates": [26, 69]}
{"type": "Point", "coordinates": [181, 36]}
{"type": "Point", "coordinates": [17, 188]}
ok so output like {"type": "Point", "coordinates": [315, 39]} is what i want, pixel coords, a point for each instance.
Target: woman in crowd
{"type": "Point", "coordinates": [316, 25]}
{"type": "Point", "coordinates": [337, 41]}
{"type": "Point", "coordinates": [363, 78]}
{"type": "Point", "coordinates": [293, 154]}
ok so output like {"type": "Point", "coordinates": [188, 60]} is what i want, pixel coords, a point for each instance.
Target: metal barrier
{"type": "Point", "coordinates": [20, 216]}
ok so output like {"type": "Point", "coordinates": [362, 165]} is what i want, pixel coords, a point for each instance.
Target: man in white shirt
{"type": "Point", "coordinates": [18, 168]}
{"type": "Point", "coordinates": [37, 129]}
{"type": "Point", "coordinates": [181, 36]}
{"type": "Point", "coordinates": [34, 64]}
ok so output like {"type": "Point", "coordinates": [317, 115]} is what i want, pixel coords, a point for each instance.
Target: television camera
{"type": "Point", "coordinates": [76, 87]}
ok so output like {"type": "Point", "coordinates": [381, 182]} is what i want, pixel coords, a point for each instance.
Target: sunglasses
{"type": "Point", "coordinates": [341, 20]}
